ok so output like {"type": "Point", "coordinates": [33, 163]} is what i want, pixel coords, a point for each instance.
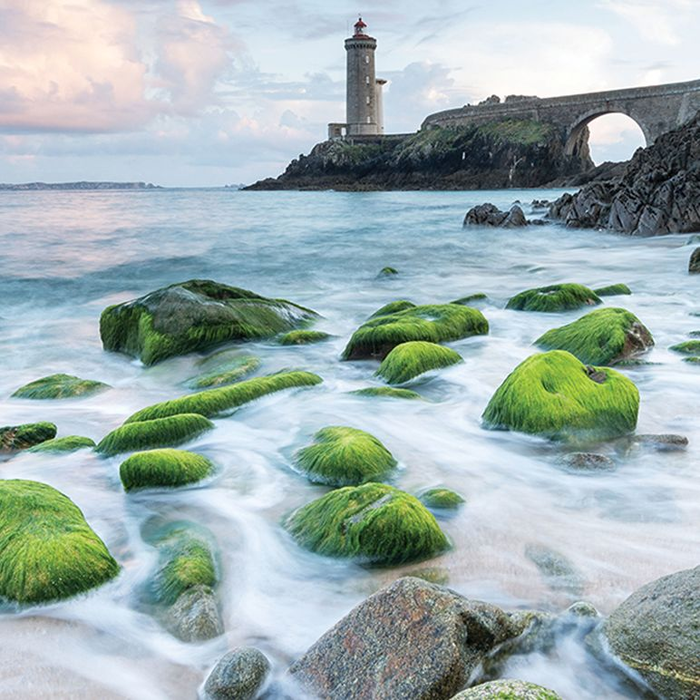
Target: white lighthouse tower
{"type": "Point", "coordinates": [364, 112]}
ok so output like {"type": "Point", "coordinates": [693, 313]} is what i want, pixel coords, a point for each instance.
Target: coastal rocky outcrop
{"type": "Point", "coordinates": [490, 156]}
{"type": "Point", "coordinates": [659, 192]}
{"type": "Point", "coordinates": [490, 215]}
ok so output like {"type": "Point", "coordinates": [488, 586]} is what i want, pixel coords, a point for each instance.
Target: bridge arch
{"type": "Point", "coordinates": [576, 129]}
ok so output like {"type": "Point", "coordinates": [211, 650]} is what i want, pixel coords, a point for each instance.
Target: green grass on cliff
{"type": "Point", "coordinates": [523, 132]}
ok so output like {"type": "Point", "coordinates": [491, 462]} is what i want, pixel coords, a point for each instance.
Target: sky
{"type": "Point", "coordinates": [215, 92]}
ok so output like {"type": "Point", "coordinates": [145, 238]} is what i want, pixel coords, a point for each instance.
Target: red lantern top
{"type": "Point", "coordinates": [360, 26]}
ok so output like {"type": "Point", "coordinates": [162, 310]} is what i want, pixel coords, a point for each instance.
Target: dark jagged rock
{"type": "Point", "coordinates": [410, 640]}
{"type": "Point", "coordinates": [491, 156]}
{"type": "Point", "coordinates": [491, 215]}
{"type": "Point", "coordinates": [659, 192]}
{"type": "Point", "coordinates": [694, 262]}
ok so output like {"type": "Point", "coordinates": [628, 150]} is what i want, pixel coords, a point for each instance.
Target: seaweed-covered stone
{"type": "Point", "coordinates": [687, 347]}
{"type": "Point", "coordinates": [470, 299]}
{"type": "Point", "coordinates": [165, 468]}
{"type": "Point", "coordinates": [149, 434]}
{"type": "Point", "coordinates": [374, 523]}
{"type": "Point", "coordinates": [441, 498]}
{"type": "Point", "coordinates": [656, 632]}
{"type": "Point", "coordinates": [409, 360]}
{"type": "Point", "coordinates": [507, 689]}
{"type": "Point", "coordinates": [694, 262]}
{"type": "Point", "coordinates": [59, 386]}
{"type": "Point", "coordinates": [195, 315]}
{"type": "Point", "coordinates": [387, 392]}
{"type": "Point", "coordinates": [412, 639]}
{"type": "Point", "coordinates": [217, 402]}
{"type": "Point", "coordinates": [342, 456]}
{"type": "Point", "coordinates": [47, 550]}
{"type": "Point", "coordinates": [238, 675]}
{"type": "Point", "coordinates": [602, 337]}
{"type": "Point", "coordinates": [226, 373]}
{"type": "Point", "coordinates": [303, 337]}
{"type": "Point", "coordinates": [613, 290]}
{"type": "Point", "coordinates": [554, 298]}
{"type": "Point", "coordinates": [69, 443]}
{"type": "Point", "coordinates": [555, 395]}
{"type": "Point", "coordinates": [388, 272]}
{"type": "Point", "coordinates": [22, 437]}
{"type": "Point", "coordinates": [433, 323]}
{"type": "Point", "coordinates": [393, 307]}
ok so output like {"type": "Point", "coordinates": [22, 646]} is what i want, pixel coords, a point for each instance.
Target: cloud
{"type": "Point", "coordinates": [655, 20]}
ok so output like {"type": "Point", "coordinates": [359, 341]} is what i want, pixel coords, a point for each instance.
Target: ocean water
{"type": "Point", "coordinates": [66, 255]}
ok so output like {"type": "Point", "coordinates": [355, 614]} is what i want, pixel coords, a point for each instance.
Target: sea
{"type": "Point", "coordinates": [65, 256]}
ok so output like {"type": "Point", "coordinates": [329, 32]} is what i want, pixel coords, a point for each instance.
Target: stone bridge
{"type": "Point", "coordinates": [656, 109]}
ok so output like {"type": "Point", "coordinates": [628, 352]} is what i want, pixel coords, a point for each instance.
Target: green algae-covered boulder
{"type": "Point", "coordinates": [433, 323]}
{"type": "Point", "coordinates": [507, 690]}
{"type": "Point", "coordinates": [303, 337]}
{"type": "Point", "coordinates": [69, 443]}
{"type": "Point", "coordinates": [387, 392]}
{"type": "Point", "coordinates": [225, 373]}
{"type": "Point", "coordinates": [388, 272]}
{"type": "Point", "coordinates": [602, 337]}
{"type": "Point", "coordinates": [194, 315]}
{"type": "Point", "coordinates": [215, 402]}
{"type": "Point", "coordinates": [166, 468]}
{"type": "Point", "coordinates": [556, 297]}
{"type": "Point", "coordinates": [394, 307]}
{"type": "Point", "coordinates": [342, 456]}
{"type": "Point", "coordinates": [441, 498]}
{"type": "Point", "coordinates": [161, 432]}
{"type": "Point", "coordinates": [613, 290]}
{"type": "Point", "coordinates": [409, 360]}
{"type": "Point", "coordinates": [470, 298]}
{"type": "Point", "coordinates": [59, 386]}
{"type": "Point", "coordinates": [656, 632]}
{"type": "Point", "coordinates": [47, 550]}
{"type": "Point", "coordinates": [687, 347]}
{"type": "Point", "coordinates": [374, 523]}
{"type": "Point", "coordinates": [22, 437]}
{"type": "Point", "coordinates": [555, 395]}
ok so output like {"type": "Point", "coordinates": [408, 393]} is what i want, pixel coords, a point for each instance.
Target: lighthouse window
{"type": "Point", "coordinates": [369, 120]}
{"type": "Point", "coordinates": [366, 58]}
{"type": "Point", "coordinates": [367, 79]}
{"type": "Point", "coordinates": [367, 99]}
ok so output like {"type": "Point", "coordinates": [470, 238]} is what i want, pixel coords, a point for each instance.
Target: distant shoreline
{"type": "Point", "coordinates": [83, 185]}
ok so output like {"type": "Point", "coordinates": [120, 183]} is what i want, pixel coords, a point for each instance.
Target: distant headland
{"type": "Point", "coordinates": [83, 185]}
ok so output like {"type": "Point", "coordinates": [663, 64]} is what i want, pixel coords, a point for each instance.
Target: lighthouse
{"type": "Point", "coordinates": [364, 111]}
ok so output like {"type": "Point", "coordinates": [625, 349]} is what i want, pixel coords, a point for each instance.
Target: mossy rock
{"type": "Point", "coordinates": [555, 395]}
{"type": "Point", "coordinates": [47, 550]}
{"type": "Point", "coordinates": [216, 402]}
{"type": "Point", "coordinates": [470, 299]}
{"type": "Point", "coordinates": [692, 360]}
{"type": "Point", "coordinates": [507, 690]}
{"type": "Point", "coordinates": [394, 307]}
{"type": "Point", "coordinates": [433, 323]}
{"type": "Point", "coordinates": [613, 290]}
{"type": "Point", "coordinates": [22, 437]}
{"type": "Point", "coordinates": [166, 468]}
{"type": "Point", "coordinates": [69, 443]}
{"type": "Point", "coordinates": [149, 434]}
{"type": "Point", "coordinates": [59, 386]}
{"type": "Point", "coordinates": [303, 337]}
{"type": "Point", "coordinates": [602, 337]}
{"type": "Point", "coordinates": [342, 456]}
{"type": "Point", "coordinates": [687, 347]}
{"type": "Point", "coordinates": [388, 392]}
{"type": "Point", "coordinates": [226, 373]}
{"type": "Point", "coordinates": [373, 523]}
{"type": "Point", "coordinates": [195, 315]}
{"type": "Point", "coordinates": [409, 360]}
{"type": "Point", "coordinates": [554, 298]}
{"type": "Point", "coordinates": [388, 272]}
{"type": "Point", "coordinates": [444, 499]}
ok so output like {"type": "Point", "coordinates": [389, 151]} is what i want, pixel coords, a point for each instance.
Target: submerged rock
{"type": "Point", "coordinates": [440, 498]}
{"type": "Point", "coordinates": [507, 690]}
{"type": "Point", "coordinates": [303, 337]}
{"type": "Point", "coordinates": [687, 347]}
{"type": "Point", "coordinates": [555, 395]}
{"type": "Point", "coordinates": [342, 456]}
{"type": "Point", "coordinates": [59, 386]}
{"type": "Point", "coordinates": [491, 215]}
{"type": "Point", "coordinates": [558, 572]}
{"type": "Point", "coordinates": [412, 639]}
{"type": "Point", "coordinates": [195, 315]}
{"type": "Point", "coordinates": [602, 337]}
{"type": "Point", "coordinates": [165, 468]}
{"type": "Point", "coordinates": [409, 360]}
{"type": "Point", "coordinates": [69, 443]}
{"type": "Point", "coordinates": [470, 298]}
{"type": "Point", "coordinates": [694, 262]}
{"type": "Point", "coordinates": [226, 373]}
{"type": "Point", "coordinates": [194, 616]}
{"type": "Point", "coordinates": [434, 323]}
{"type": "Point", "coordinates": [587, 462]}
{"type": "Point", "coordinates": [387, 392]}
{"type": "Point", "coordinates": [613, 290]}
{"type": "Point", "coordinates": [47, 550]}
{"type": "Point", "coordinates": [388, 272]}
{"type": "Point", "coordinates": [22, 437]}
{"type": "Point", "coordinates": [374, 523]}
{"type": "Point", "coordinates": [238, 675]}
{"type": "Point", "coordinates": [554, 298]}
{"type": "Point", "coordinates": [656, 632]}
{"type": "Point", "coordinates": [662, 442]}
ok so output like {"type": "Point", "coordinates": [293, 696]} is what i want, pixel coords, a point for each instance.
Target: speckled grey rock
{"type": "Point", "coordinates": [238, 675]}
{"type": "Point", "coordinates": [582, 609]}
{"type": "Point", "coordinates": [662, 442]}
{"type": "Point", "coordinates": [656, 631]}
{"type": "Point", "coordinates": [558, 572]}
{"type": "Point", "coordinates": [587, 462]}
{"type": "Point", "coordinates": [194, 617]}
{"type": "Point", "coordinates": [412, 639]}
{"type": "Point", "coordinates": [507, 690]}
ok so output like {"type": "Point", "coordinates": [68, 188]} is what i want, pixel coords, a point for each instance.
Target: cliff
{"type": "Point", "coordinates": [658, 193]}
{"type": "Point", "coordinates": [491, 156]}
